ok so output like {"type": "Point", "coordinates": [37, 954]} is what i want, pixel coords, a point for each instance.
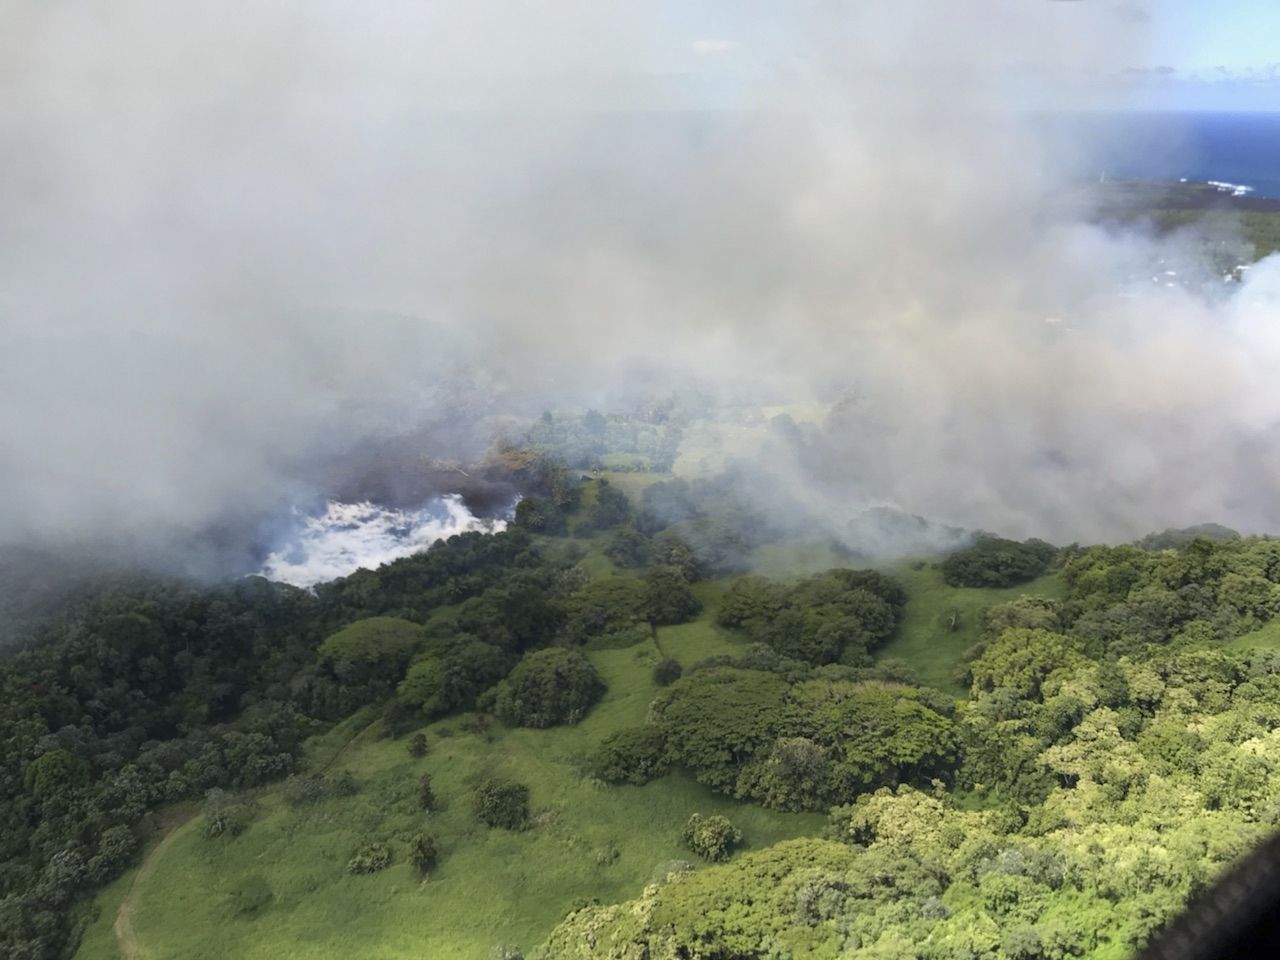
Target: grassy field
{"type": "Point", "coordinates": [99, 939]}
{"type": "Point", "coordinates": [796, 558]}
{"type": "Point", "coordinates": [709, 445]}
{"type": "Point", "coordinates": [633, 484]}
{"type": "Point", "coordinates": [700, 639]}
{"type": "Point", "coordinates": [927, 639]}
{"type": "Point", "coordinates": [493, 886]}
{"type": "Point", "coordinates": [941, 621]}
{"type": "Point", "coordinates": [281, 890]}
{"type": "Point", "coordinates": [1266, 637]}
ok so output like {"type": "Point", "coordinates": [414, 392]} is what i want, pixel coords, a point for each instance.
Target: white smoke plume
{"type": "Point", "coordinates": [348, 536]}
{"type": "Point", "coordinates": [239, 237]}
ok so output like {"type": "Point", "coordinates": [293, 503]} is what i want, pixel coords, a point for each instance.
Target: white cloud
{"type": "Point", "coordinates": [712, 48]}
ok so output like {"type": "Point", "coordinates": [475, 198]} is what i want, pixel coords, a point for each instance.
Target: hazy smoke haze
{"type": "Point", "coordinates": [238, 238]}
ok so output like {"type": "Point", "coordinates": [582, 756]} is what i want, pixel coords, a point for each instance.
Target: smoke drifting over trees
{"type": "Point", "coordinates": [238, 239]}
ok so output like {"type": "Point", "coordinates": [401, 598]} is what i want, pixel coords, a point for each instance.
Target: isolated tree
{"type": "Point", "coordinates": [426, 793]}
{"type": "Point", "coordinates": [424, 853]}
{"type": "Point", "coordinates": [712, 838]}
{"type": "Point", "coordinates": [224, 814]}
{"type": "Point", "coordinates": [502, 803]}
{"type": "Point", "coordinates": [418, 745]}
{"type": "Point", "coordinates": [667, 672]}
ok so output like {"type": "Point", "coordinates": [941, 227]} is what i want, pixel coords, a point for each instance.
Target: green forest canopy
{"type": "Point", "coordinates": [1116, 748]}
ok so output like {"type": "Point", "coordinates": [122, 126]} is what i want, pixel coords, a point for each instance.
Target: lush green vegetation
{"type": "Point", "coordinates": [546, 688]}
{"type": "Point", "coordinates": [996, 562]}
{"type": "Point", "coordinates": [1115, 754]}
{"type": "Point", "coordinates": [646, 442]}
{"type": "Point", "coordinates": [490, 743]}
{"type": "Point", "coordinates": [712, 838]}
{"type": "Point", "coordinates": [1230, 229]}
{"type": "Point", "coordinates": [583, 841]}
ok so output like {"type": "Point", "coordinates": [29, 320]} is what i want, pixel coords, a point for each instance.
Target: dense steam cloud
{"type": "Point", "coordinates": [239, 239]}
{"type": "Point", "coordinates": [348, 536]}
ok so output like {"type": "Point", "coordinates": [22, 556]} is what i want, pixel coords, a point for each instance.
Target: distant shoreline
{"type": "Point", "coordinates": [1184, 195]}
{"type": "Point", "coordinates": [1203, 146]}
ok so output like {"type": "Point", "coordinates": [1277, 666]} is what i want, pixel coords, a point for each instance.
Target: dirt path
{"type": "Point", "coordinates": [126, 938]}
{"type": "Point", "coordinates": [653, 632]}
{"type": "Point", "coordinates": [343, 749]}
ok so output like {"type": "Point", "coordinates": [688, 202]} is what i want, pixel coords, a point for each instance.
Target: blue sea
{"type": "Point", "coordinates": [1237, 148]}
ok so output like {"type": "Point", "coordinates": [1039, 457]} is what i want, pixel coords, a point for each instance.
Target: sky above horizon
{"type": "Point", "coordinates": [1214, 56]}
{"type": "Point", "coordinates": [1191, 54]}
{"type": "Point", "coordinates": [712, 54]}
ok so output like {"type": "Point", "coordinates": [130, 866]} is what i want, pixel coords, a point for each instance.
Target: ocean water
{"type": "Point", "coordinates": [1236, 148]}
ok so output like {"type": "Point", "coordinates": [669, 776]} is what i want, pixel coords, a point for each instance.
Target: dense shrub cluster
{"type": "Point", "coordinates": [225, 814]}
{"type": "Point", "coordinates": [705, 527]}
{"type": "Point", "coordinates": [629, 547]}
{"type": "Point", "coordinates": [608, 610]}
{"type": "Point", "coordinates": [1115, 758]}
{"type": "Point", "coordinates": [595, 440]}
{"type": "Point", "coordinates": [502, 803]}
{"type": "Point", "coordinates": [712, 838]}
{"type": "Point", "coordinates": [635, 755]}
{"type": "Point", "coordinates": [668, 596]}
{"type": "Point", "coordinates": [151, 692]}
{"type": "Point", "coordinates": [547, 688]}
{"type": "Point", "coordinates": [837, 615]}
{"type": "Point", "coordinates": [610, 509]}
{"type": "Point", "coordinates": [370, 858]}
{"type": "Point", "coordinates": [448, 677]}
{"type": "Point", "coordinates": [464, 566]}
{"type": "Point", "coordinates": [425, 793]}
{"type": "Point", "coordinates": [1114, 713]}
{"type": "Point", "coordinates": [667, 671]}
{"type": "Point", "coordinates": [803, 745]}
{"type": "Point", "coordinates": [307, 788]}
{"type": "Point", "coordinates": [995, 562]}
{"type": "Point", "coordinates": [140, 694]}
